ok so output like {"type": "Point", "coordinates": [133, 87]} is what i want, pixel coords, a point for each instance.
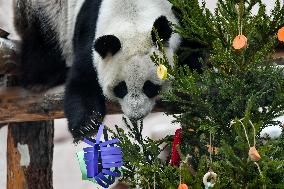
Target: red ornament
{"type": "Point", "coordinates": [175, 159]}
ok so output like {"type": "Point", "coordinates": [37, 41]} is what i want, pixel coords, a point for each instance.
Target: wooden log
{"type": "Point", "coordinates": [19, 105]}
{"type": "Point", "coordinates": [30, 155]}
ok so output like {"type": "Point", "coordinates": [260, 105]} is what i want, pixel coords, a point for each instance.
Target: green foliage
{"type": "Point", "coordinates": [216, 31]}
{"type": "Point", "coordinates": [142, 166]}
{"type": "Point", "coordinates": [237, 171]}
{"type": "Point", "coordinates": [237, 85]}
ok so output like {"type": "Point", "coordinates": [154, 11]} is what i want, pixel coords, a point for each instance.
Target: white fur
{"type": "Point", "coordinates": [131, 21]}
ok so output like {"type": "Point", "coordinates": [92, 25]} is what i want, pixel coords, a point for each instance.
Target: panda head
{"type": "Point", "coordinates": [125, 70]}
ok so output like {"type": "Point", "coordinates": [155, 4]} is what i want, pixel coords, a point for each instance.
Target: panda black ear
{"type": "Point", "coordinates": [163, 28]}
{"type": "Point", "coordinates": [107, 44]}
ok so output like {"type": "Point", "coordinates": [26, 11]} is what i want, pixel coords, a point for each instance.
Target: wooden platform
{"type": "Point", "coordinates": [19, 105]}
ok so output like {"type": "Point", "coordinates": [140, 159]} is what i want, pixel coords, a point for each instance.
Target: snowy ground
{"type": "Point", "coordinates": [64, 151]}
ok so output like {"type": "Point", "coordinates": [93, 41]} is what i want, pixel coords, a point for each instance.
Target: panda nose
{"type": "Point", "coordinates": [134, 95]}
{"type": "Point", "coordinates": [150, 89]}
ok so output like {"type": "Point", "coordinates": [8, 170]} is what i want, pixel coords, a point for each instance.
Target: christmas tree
{"type": "Point", "coordinates": [239, 92]}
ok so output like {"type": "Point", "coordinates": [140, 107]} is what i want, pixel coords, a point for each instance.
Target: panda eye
{"type": "Point", "coordinates": [120, 90]}
{"type": "Point", "coordinates": [150, 89]}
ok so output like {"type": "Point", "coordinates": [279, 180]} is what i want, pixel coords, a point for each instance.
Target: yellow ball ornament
{"type": "Point", "coordinates": [162, 72]}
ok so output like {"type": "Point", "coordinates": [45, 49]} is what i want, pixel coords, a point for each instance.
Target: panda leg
{"type": "Point", "coordinates": [84, 102]}
{"type": "Point", "coordinates": [42, 65]}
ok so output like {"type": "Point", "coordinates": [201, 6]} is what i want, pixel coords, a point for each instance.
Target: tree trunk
{"type": "Point", "coordinates": [30, 155]}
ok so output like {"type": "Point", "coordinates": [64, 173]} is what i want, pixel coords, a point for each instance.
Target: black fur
{"type": "Point", "coordinates": [120, 90]}
{"type": "Point", "coordinates": [190, 52]}
{"type": "Point", "coordinates": [42, 63]}
{"type": "Point", "coordinates": [150, 89]}
{"type": "Point", "coordinates": [163, 28]}
{"type": "Point", "coordinates": [107, 44]}
{"type": "Point", "coordinates": [84, 100]}
{"type": "Point", "coordinates": [23, 17]}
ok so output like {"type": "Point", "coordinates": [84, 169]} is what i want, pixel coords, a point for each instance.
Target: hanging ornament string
{"type": "Point", "coordinates": [148, 182]}
{"type": "Point", "coordinates": [154, 180]}
{"type": "Point", "coordinates": [254, 132]}
{"type": "Point", "coordinates": [253, 153]}
{"type": "Point", "coordinates": [240, 27]}
{"type": "Point", "coordinates": [240, 41]}
{"type": "Point", "coordinates": [210, 174]}
{"type": "Point", "coordinates": [181, 165]}
{"type": "Point", "coordinates": [211, 149]}
{"type": "Point", "coordinates": [180, 174]}
{"type": "Point", "coordinates": [246, 132]}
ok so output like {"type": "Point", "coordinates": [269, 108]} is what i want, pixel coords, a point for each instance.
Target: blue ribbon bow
{"type": "Point", "coordinates": [100, 163]}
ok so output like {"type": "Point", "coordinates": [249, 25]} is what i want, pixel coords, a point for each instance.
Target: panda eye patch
{"type": "Point", "coordinates": [150, 89]}
{"type": "Point", "coordinates": [120, 90]}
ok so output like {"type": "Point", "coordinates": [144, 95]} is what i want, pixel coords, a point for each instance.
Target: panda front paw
{"type": "Point", "coordinates": [84, 107]}
{"type": "Point", "coordinates": [84, 125]}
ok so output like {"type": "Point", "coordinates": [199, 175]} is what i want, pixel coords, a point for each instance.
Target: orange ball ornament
{"type": "Point", "coordinates": [182, 186]}
{"type": "Point", "coordinates": [240, 42]}
{"type": "Point", "coordinates": [280, 34]}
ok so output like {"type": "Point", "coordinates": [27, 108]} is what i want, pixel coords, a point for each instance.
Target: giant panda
{"type": "Point", "coordinates": [101, 48]}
